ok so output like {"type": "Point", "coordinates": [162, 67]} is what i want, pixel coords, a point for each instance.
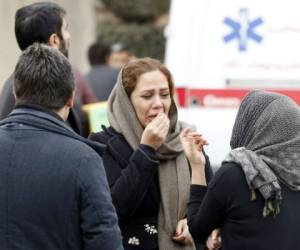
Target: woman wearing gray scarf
{"type": "Point", "coordinates": [253, 198]}
{"type": "Point", "coordinates": [146, 167]}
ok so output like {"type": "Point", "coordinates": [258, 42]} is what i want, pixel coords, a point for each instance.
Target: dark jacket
{"type": "Point", "coordinates": [133, 180]}
{"type": "Point", "coordinates": [83, 93]}
{"type": "Point", "coordinates": [226, 203]}
{"type": "Point", "coordinates": [102, 79]}
{"type": "Point", "coordinates": [53, 188]}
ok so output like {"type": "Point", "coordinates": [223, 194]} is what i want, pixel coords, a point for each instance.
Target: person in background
{"type": "Point", "coordinates": [42, 22]}
{"type": "Point", "coordinates": [54, 192]}
{"type": "Point", "coordinates": [101, 78]}
{"type": "Point", "coordinates": [119, 55]}
{"type": "Point", "coordinates": [254, 197]}
{"type": "Point", "coordinates": [147, 170]}
{"type": "Point", "coordinates": [84, 93]}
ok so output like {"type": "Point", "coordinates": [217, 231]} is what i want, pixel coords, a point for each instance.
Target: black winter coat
{"type": "Point", "coordinates": [226, 203]}
{"type": "Point", "coordinates": [133, 180]}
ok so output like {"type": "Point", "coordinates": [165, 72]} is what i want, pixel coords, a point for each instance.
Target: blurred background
{"type": "Point", "coordinates": [216, 50]}
{"type": "Point", "coordinates": [137, 23]}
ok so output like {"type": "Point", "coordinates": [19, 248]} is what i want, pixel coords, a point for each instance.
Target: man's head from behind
{"type": "Point", "coordinates": [98, 53]}
{"type": "Point", "coordinates": [44, 77]}
{"type": "Point", "coordinates": [42, 22]}
{"type": "Point", "coordinates": [119, 55]}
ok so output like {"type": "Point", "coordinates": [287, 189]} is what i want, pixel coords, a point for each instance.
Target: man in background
{"type": "Point", "coordinates": [42, 22]}
{"type": "Point", "coordinates": [101, 77]}
{"type": "Point", "coordinates": [119, 55]}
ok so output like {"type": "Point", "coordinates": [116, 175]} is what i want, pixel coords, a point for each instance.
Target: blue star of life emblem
{"type": "Point", "coordinates": [244, 30]}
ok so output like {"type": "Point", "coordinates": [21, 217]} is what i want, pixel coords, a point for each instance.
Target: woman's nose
{"type": "Point", "coordinates": [157, 102]}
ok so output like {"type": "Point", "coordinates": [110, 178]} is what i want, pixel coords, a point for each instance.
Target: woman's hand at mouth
{"type": "Point", "coordinates": [156, 131]}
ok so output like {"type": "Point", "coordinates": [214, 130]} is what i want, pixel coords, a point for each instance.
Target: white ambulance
{"type": "Point", "coordinates": [218, 50]}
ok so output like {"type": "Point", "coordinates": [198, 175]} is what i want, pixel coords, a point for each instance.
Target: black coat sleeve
{"type": "Point", "coordinates": [129, 184]}
{"type": "Point", "coordinates": [98, 219]}
{"type": "Point", "coordinates": [207, 207]}
{"type": "Point", "coordinates": [208, 169]}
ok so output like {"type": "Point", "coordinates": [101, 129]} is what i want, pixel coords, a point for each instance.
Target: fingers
{"type": "Point", "coordinates": [180, 227]}
{"type": "Point", "coordinates": [193, 134]}
{"type": "Point", "coordinates": [156, 131]}
{"type": "Point", "coordinates": [198, 138]}
{"type": "Point", "coordinates": [164, 123]}
{"type": "Point", "coordinates": [160, 118]}
{"type": "Point", "coordinates": [179, 239]}
{"type": "Point", "coordinates": [200, 144]}
{"type": "Point", "coordinates": [184, 133]}
{"type": "Point", "coordinates": [215, 234]}
{"type": "Point", "coordinates": [194, 138]}
{"type": "Point", "coordinates": [214, 240]}
{"type": "Point", "coordinates": [200, 141]}
{"type": "Point", "coordinates": [182, 234]}
{"type": "Point", "coordinates": [160, 123]}
{"type": "Point", "coordinates": [162, 128]}
{"type": "Point", "coordinates": [184, 237]}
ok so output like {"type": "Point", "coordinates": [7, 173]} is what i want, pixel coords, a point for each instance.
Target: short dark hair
{"type": "Point", "coordinates": [98, 53]}
{"type": "Point", "coordinates": [36, 22]}
{"type": "Point", "coordinates": [43, 76]}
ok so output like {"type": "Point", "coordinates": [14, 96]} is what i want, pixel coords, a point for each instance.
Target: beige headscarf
{"type": "Point", "coordinates": [174, 176]}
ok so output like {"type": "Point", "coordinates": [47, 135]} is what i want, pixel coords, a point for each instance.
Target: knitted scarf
{"type": "Point", "coordinates": [174, 176]}
{"type": "Point", "coordinates": [266, 144]}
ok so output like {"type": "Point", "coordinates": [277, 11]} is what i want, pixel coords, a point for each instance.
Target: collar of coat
{"type": "Point", "coordinates": [43, 120]}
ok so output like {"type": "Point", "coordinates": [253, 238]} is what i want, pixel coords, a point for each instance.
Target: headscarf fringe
{"type": "Point", "coordinates": [271, 207]}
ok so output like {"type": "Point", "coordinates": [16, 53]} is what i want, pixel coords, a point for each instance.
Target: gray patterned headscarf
{"type": "Point", "coordinates": [265, 142]}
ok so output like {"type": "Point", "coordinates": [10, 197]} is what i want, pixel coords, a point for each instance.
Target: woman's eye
{"type": "Point", "coordinates": [146, 96]}
{"type": "Point", "coordinates": [165, 94]}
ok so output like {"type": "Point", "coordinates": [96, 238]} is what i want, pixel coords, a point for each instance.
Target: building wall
{"type": "Point", "coordinates": [82, 25]}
